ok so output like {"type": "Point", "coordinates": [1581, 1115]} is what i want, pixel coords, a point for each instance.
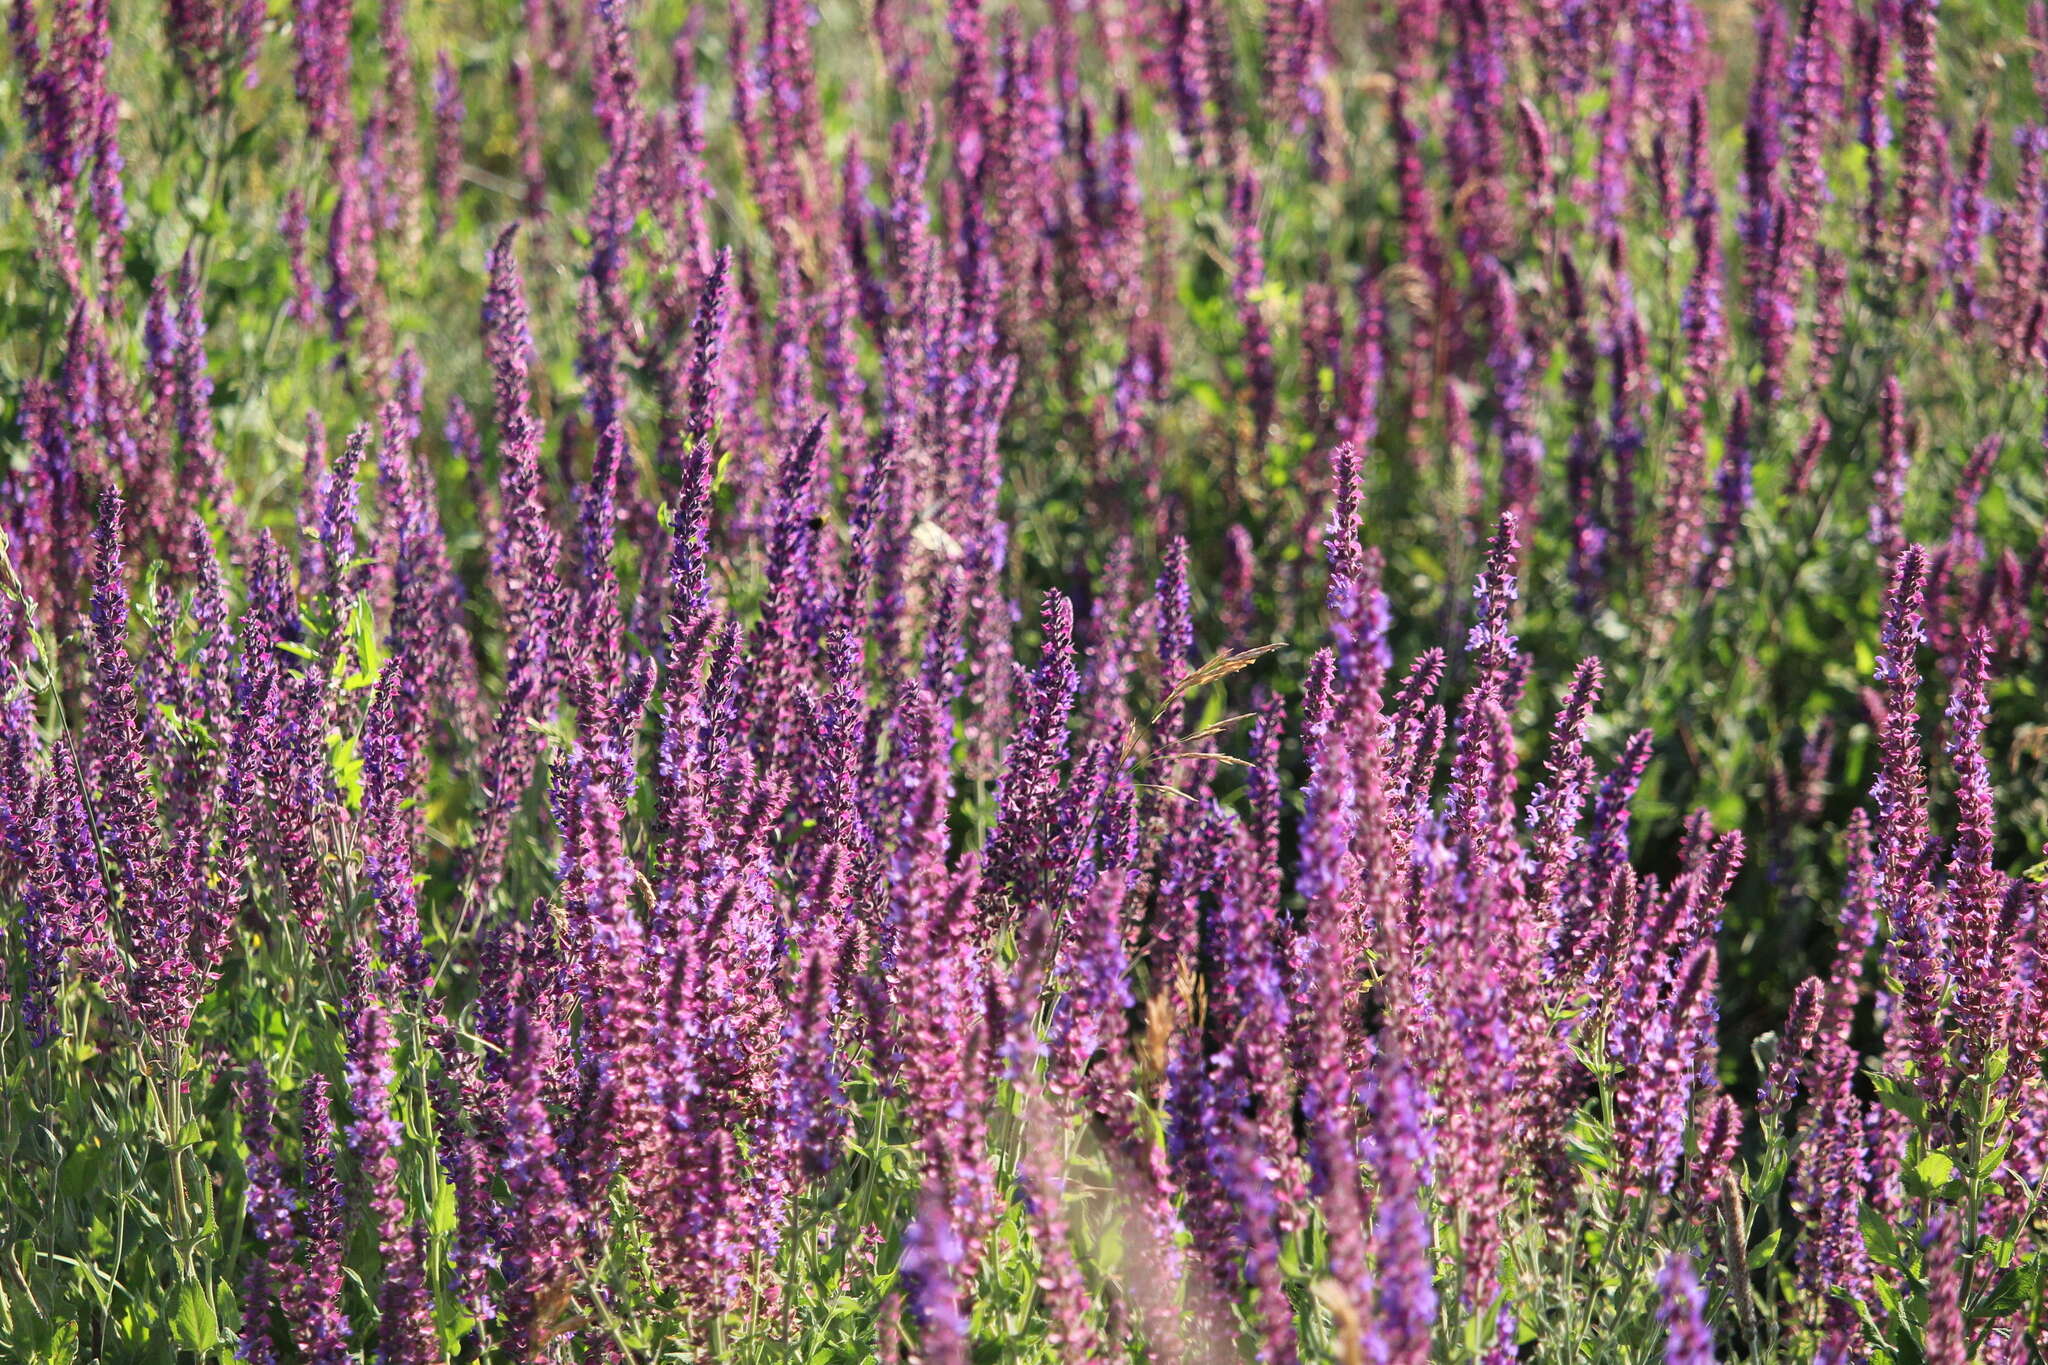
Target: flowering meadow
{"type": "Point", "coordinates": [1153, 680]}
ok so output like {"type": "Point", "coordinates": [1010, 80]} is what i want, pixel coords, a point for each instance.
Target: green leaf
{"type": "Point", "coordinates": [362, 623]}
{"type": "Point", "coordinates": [227, 1311]}
{"type": "Point", "coordinates": [1929, 1175]}
{"type": "Point", "coordinates": [1878, 1237]}
{"type": "Point", "coordinates": [194, 1323]}
{"type": "Point", "coordinates": [1766, 1246]}
{"type": "Point", "coordinates": [444, 1209]}
{"type": "Point", "coordinates": [80, 1173]}
{"type": "Point", "coordinates": [1901, 1094]}
{"type": "Point", "coordinates": [347, 767]}
{"type": "Point", "coordinates": [1888, 1295]}
{"type": "Point", "coordinates": [2015, 1289]}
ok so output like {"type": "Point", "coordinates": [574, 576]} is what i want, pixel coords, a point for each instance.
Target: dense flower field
{"type": "Point", "coordinates": [1165, 680]}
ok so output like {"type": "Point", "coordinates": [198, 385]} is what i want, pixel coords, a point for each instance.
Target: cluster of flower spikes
{"type": "Point", "coordinates": [673, 1024]}
{"type": "Point", "coordinates": [1462, 934]}
{"type": "Point", "coordinates": [1960, 994]}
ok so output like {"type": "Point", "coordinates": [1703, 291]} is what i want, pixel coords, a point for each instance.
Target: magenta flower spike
{"type": "Point", "coordinates": [1975, 889]}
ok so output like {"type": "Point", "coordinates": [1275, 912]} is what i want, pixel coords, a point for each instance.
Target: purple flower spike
{"type": "Point", "coordinates": [1687, 1339]}
{"type": "Point", "coordinates": [932, 1267]}
{"type": "Point", "coordinates": [1947, 1338]}
{"type": "Point", "coordinates": [1404, 1315]}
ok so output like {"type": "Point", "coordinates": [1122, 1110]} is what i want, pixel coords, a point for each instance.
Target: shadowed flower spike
{"type": "Point", "coordinates": [1358, 417]}
{"type": "Point", "coordinates": [811, 1115]}
{"type": "Point", "coordinates": [1511, 360]}
{"type": "Point", "coordinates": [1088, 1054]}
{"type": "Point", "coordinates": [71, 116]}
{"type": "Point", "coordinates": [332, 576]}
{"type": "Point", "coordinates": [155, 912]}
{"type": "Point", "coordinates": [1341, 549]}
{"type": "Point", "coordinates": [1969, 215]}
{"type": "Point", "coordinates": [1895, 460]}
{"type": "Point", "coordinates": [687, 448]}
{"type": "Point", "coordinates": [1916, 26]}
{"type": "Point", "coordinates": [1175, 606]}
{"type": "Point", "coordinates": [391, 145]}
{"type": "Point", "coordinates": [465, 1128]}
{"type": "Point", "coordinates": [1802, 1021]}
{"type": "Point", "coordinates": [1734, 487]}
{"type": "Point", "coordinates": [449, 113]}
{"type": "Point", "coordinates": [539, 1245]}
{"type": "Point", "coordinates": [376, 1137]}
{"type": "Point", "coordinates": [605, 926]}
{"type": "Point", "coordinates": [1704, 322]}
{"type": "Point", "coordinates": [321, 35]}
{"type": "Point", "coordinates": [1717, 1136]}
{"type": "Point", "coordinates": [215, 41]}
{"type": "Point", "coordinates": [1808, 459]}
{"type": "Point", "coordinates": [312, 1300]}
{"type": "Point", "coordinates": [388, 835]}
{"type": "Point", "coordinates": [1831, 1167]}
{"type": "Point", "coordinates": [1669, 1046]}
{"type": "Point", "coordinates": [1555, 805]}
{"type": "Point", "coordinates": [1247, 284]}
{"type": "Point", "coordinates": [26, 829]}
